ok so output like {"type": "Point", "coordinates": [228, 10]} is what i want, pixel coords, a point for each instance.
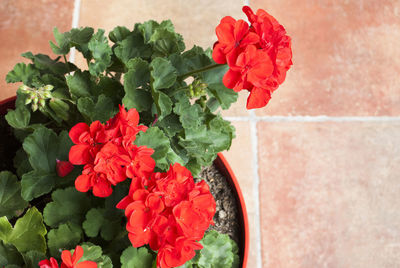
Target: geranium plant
{"type": "Point", "coordinates": [105, 172]}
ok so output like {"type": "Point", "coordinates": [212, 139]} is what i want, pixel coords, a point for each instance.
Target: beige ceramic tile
{"type": "Point", "coordinates": [330, 194]}
{"type": "Point", "coordinates": [240, 158]}
{"type": "Point", "coordinates": [195, 20]}
{"type": "Point", "coordinates": [28, 26]}
{"type": "Point", "coordinates": [346, 57]}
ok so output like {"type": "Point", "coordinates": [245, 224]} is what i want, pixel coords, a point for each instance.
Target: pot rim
{"type": "Point", "coordinates": [222, 163]}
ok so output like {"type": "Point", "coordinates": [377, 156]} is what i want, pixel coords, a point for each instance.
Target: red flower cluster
{"type": "Point", "coordinates": [258, 55]}
{"type": "Point", "coordinates": [69, 261]}
{"type": "Point", "coordinates": [169, 212]}
{"type": "Point", "coordinates": [108, 153]}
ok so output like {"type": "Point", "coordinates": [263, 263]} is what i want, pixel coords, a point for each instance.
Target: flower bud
{"type": "Point", "coordinates": [34, 107]}
{"type": "Point", "coordinates": [24, 88]}
{"type": "Point", "coordinates": [48, 88]}
{"type": "Point", "coordinates": [47, 95]}
{"type": "Point", "coordinates": [28, 100]}
{"type": "Point", "coordinates": [42, 102]}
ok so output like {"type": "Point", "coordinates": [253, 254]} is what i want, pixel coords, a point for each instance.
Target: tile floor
{"type": "Point", "coordinates": [319, 166]}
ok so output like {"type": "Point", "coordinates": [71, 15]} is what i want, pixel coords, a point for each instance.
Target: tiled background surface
{"type": "Point", "coordinates": [320, 165]}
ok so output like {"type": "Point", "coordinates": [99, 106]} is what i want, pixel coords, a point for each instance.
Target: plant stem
{"type": "Point", "coordinates": [66, 62]}
{"type": "Point", "coordinates": [209, 67]}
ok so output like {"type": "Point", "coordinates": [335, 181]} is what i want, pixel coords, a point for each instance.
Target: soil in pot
{"type": "Point", "coordinates": [227, 213]}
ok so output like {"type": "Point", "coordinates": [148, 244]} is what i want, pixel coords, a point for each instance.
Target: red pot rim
{"type": "Point", "coordinates": [6, 104]}
{"type": "Point", "coordinates": [226, 170]}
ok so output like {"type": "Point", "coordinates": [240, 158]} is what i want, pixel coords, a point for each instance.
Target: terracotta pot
{"type": "Point", "coordinates": [226, 170]}
{"type": "Point", "coordinates": [223, 167]}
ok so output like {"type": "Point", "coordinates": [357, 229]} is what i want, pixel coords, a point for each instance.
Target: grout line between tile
{"type": "Point", "coordinates": [320, 118]}
{"type": "Point", "coordinates": [75, 24]}
{"type": "Point", "coordinates": [254, 144]}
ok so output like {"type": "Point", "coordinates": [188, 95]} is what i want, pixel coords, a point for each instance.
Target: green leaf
{"type": "Point", "coordinates": [224, 95]}
{"type": "Point", "coordinates": [21, 162]}
{"type": "Point", "coordinates": [163, 73]}
{"type": "Point", "coordinates": [170, 124]}
{"type": "Point", "coordinates": [118, 34]}
{"type": "Point", "coordinates": [75, 38]}
{"type": "Point", "coordinates": [96, 222]}
{"type": "Point", "coordinates": [219, 251]}
{"type": "Point", "coordinates": [44, 147]}
{"type": "Point", "coordinates": [101, 53]}
{"type": "Point", "coordinates": [32, 258]}
{"type": "Point", "coordinates": [11, 202]}
{"type": "Point", "coordinates": [155, 138]}
{"type": "Point", "coordinates": [94, 253]}
{"type": "Point", "coordinates": [9, 255]}
{"type": "Point", "coordinates": [62, 47]}
{"type": "Point", "coordinates": [222, 133]}
{"type": "Point", "coordinates": [18, 118]}
{"type": "Point", "coordinates": [45, 63]}
{"type": "Point", "coordinates": [162, 37]}
{"type": "Point", "coordinates": [131, 47]}
{"type": "Point", "coordinates": [60, 108]}
{"type": "Point", "coordinates": [111, 88]}
{"type": "Point", "coordinates": [22, 73]}
{"type": "Point", "coordinates": [37, 183]}
{"type": "Point", "coordinates": [79, 84]}
{"type": "Point", "coordinates": [163, 103]}
{"type": "Point", "coordinates": [136, 258]}
{"type": "Point", "coordinates": [166, 42]}
{"type": "Point", "coordinates": [102, 110]}
{"type": "Point", "coordinates": [67, 235]}
{"type": "Point", "coordinates": [195, 58]}
{"type": "Point", "coordinates": [147, 29]}
{"type": "Point", "coordinates": [191, 116]}
{"type": "Point", "coordinates": [27, 234]}
{"type": "Point", "coordinates": [137, 76]}
{"type": "Point", "coordinates": [68, 205]}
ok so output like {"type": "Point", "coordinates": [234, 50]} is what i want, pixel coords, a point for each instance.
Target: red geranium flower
{"type": "Point", "coordinates": [63, 168]}
{"type": "Point", "coordinates": [177, 254]}
{"type": "Point", "coordinates": [169, 212]}
{"type": "Point", "coordinates": [123, 127]}
{"type": "Point", "coordinates": [112, 160]}
{"type": "Point", "coordinates": [273, 39]}
{"type": "Point", "coordinates": [233, 37]}
{"type": "Point", "coordinates": [176, 184]}
{"type": "Point", "coordinates": [88, 142]}
{"type": "Point", "coordinates": [92, 180]}
{"type": "Point", "coordinates": [258, 56]}
{"type": "Point", "coordinates": [72, 261]}
{"type": "Point", "coordinates": [139, 220]}
{"type": "Point", "coordinates": [52, 263]}
{"type": "Point", "coordinates": [141, 163]}
{"type": "Point", "coordinates": [253, 68]}
{"type": "Point", "coordinates": [69, 261]}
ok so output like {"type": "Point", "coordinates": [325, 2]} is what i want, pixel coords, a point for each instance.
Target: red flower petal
{"type": "Point", "coordinates": [231, 78]}
{"type": "Point", "coordinates": [86, 264]}
{"type": "Point", "coordinates": [78, 253]}
{"type": "Point", "coordinates": [258, 98]}
{"type": "Point", "coordinates": [82, 183]}
{"type": "Point", "coordinates": [240, 30]}
{"type": "Point", "coordinates": [76, 131]}
{"type": "Point", "coordinates": [102, 188]}
{"type": "Point", "coordinates": [80, 154]}
{"type": "Point", "coordinates": [67, 258]}
{"type": "Point", "coordinates": [218, 54]}
{"type": "Point", "coordinates": [63, 168]}
{"type": "Point", "coordinates": [224, 30]}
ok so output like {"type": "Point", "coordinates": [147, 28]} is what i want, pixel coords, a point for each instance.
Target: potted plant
{"type": "Point", "coordinates": [108, 166]}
